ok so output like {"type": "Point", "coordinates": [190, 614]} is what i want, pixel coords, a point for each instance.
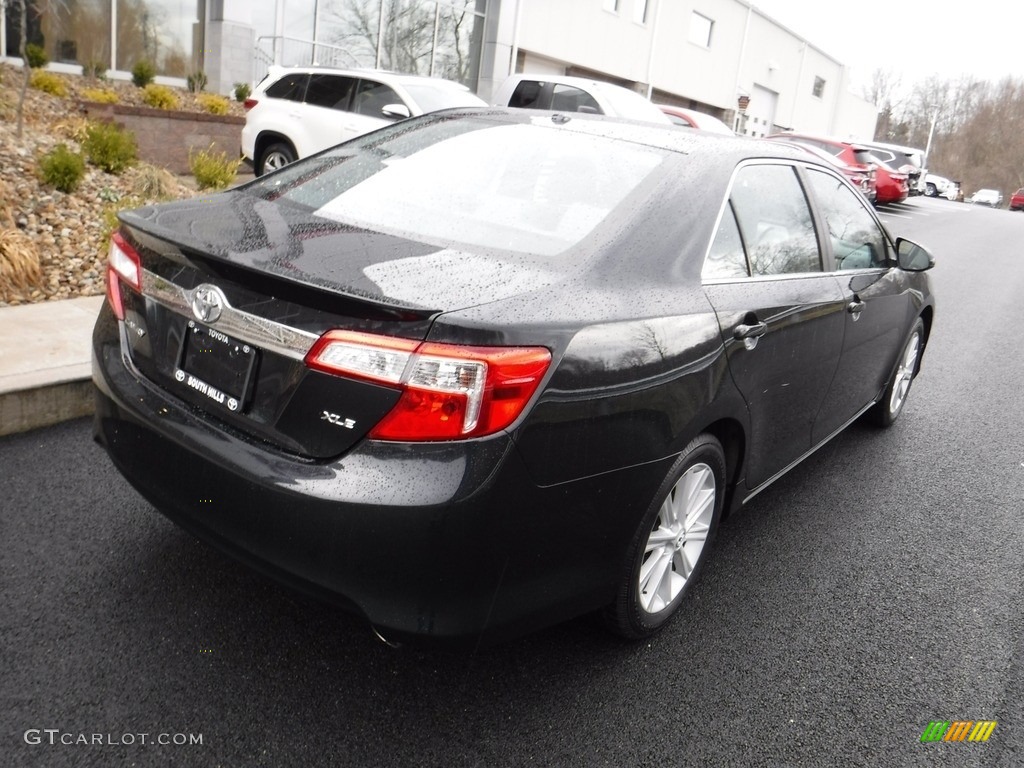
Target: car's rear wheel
{"type": "Point", "coordinates": [669, 547]}
{"type": "Point", "coordinates": [274, 156]}
{"type": "Point", "coordinates": [888, 409]}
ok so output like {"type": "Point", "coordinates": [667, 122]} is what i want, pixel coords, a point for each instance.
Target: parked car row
{"type": "Point", "coordinates": [890, 185]}
{"type": "Point", "coordinates": [298, 111]}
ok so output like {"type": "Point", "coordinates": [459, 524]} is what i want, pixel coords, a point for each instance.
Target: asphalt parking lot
{"type": "Point", "coordinates": [874, 589]}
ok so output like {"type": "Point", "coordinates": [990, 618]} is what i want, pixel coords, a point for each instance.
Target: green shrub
{"type": "Point", "coordinates": [48, 82]}
{"type": "Point", "coordinates": [94, 70]}
{"type": "Point", "coordinates": [62, 168]}
{"type": "Point", "coordinates": [196, 81]}
{"type": "Point", "coordinates": [143, 74]}
{"type": "Point", "coordinates": [212, 170]}
{"type": "Point", "coordinates": [242, 91]}
{"type": "Point", "coordinates": [100, 95]}
{"type": "Point", "coordinates": [36, 56]}
{"type": "Point", "coordinates": [160, 97]}
{"type": "Point", "coordinates": [212, 103]}
{"type": "Point", "coordinates": [108, 147]}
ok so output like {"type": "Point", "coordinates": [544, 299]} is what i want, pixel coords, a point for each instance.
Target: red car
{"type": "Point", "coordinates": [1017, 200]}
{"type": "Point", "coordinates": [861, 176]}
{"type": "Point", "coordinates": [893, 186]}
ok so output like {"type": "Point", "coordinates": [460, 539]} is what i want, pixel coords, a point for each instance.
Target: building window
{"type": "Point", "coordinates": [819, 88]}
{"type": "Point", "coordinates": [700, 30]}
{"type": "Point", "coordinates": [611, 5]}
{"type": "Point", "coordinates": [640, 11]}
{"type": "Point", "coordinates": [166, 33]}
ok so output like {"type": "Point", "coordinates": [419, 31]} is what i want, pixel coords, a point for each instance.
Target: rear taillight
{"type": "Point", "coordinates": [250, 103]}
{"type": "Point", "coordinates": [449, 391]}
{"type": "Point", "coordinates": [123, 263]}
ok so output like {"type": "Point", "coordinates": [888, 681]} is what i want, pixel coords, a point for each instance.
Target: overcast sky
{"type": "Point", "coordinates": [916, 38]}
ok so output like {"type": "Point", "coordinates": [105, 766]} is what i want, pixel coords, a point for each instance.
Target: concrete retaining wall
{"type": "Point", "coordinates": [165, 137]}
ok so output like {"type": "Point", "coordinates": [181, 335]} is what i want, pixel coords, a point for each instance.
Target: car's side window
{"type": "Point", "coordinates": [857, 240]}
{"type": "Point", "coordinates": [726, 257]}
{"type": "Point", "coordinates": [291, 87]}
{"type": "Point", "coordinates": [568, 98]}
{"type": "Point", "coordinates": [525, 95]}
{"type": "Point", "coordinates": [331, 91]}
{"type": "Point", "coordinates": [775, 220]}
{"type": "Point", "coordinates": [372, 97]}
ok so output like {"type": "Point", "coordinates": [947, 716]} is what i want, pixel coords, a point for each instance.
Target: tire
{"type": "Point", "coordinates": [673, 536]}
{"type": "Point", "coordinates": [931, 190]}
{"type": "Point", "coordinates": [274, 156]}
{"type": "Point", "coordinates": [888, 409]}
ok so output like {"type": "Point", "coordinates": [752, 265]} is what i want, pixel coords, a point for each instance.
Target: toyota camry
{"type": "Point", "coordinates": [485, 370]}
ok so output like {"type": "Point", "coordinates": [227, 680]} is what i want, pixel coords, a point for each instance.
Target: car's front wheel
{"type": "Point", "coordinates": [669, 547]}
{"type": "Point", "coordinates": [274, 156]}
{"type": "Point", "coordinates": [888, 409]}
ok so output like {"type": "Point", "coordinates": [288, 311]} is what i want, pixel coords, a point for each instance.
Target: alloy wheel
{"type": "Point", "coordinates": [905, 373]}
{"type": "Point", "coordinates": [677, 538]}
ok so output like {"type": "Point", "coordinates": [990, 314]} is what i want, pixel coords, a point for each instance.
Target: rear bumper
{"type": "Point", "coordinates": [443, 540]}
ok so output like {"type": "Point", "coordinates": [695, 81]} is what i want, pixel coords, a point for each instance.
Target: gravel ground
{"type": "Point", "coordinates": [67, 231]}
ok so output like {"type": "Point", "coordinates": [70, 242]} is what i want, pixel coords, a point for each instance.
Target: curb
{"type": "Point", "coordinates": [45, 406]}
{"type": "Point", "coordinates": [46, 363]}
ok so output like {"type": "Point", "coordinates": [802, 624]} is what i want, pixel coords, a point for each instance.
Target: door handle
{"type": "Point", "coordinates": [855, 306]}
{"type": "Point", "coordinates": [744, 331]}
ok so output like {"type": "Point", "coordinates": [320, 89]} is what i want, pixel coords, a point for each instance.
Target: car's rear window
{"type": "Point", "coordinates": [291, 86]}
{"type": "Point", "coordinates": [534, 187]}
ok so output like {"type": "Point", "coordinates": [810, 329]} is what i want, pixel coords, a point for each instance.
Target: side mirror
{"type": "Point", "coordinates": [912, 257]}
{"type": "Point", "coordinates": [396, 111]}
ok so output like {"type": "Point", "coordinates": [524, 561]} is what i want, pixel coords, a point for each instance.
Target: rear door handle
{"type": "Point", "coordinates": [744, 331]}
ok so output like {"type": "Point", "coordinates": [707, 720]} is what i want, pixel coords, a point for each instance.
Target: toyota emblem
{"type": "Point", "coordinates": [207, 303]}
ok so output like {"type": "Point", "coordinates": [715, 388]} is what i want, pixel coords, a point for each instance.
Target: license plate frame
{"type": "Point", "coordinates": [214, 365]}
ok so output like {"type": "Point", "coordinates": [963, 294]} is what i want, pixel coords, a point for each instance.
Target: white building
{"type": "Point", "coordinates": [712, 55]}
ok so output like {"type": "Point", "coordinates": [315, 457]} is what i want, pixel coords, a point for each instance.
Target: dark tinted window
{"type": "Point", "coordinates": [331, 91]}
{"type": "Point", "coordinates": [857, 240]}
{"type": "Point", "coordinates": [775, 220]}
{"type": "Point", "coordinates": [372, 97]}
{"type": "Point", "coordinates": [291, 87]}
{"type": "Point", "coordinates": [527, 95]}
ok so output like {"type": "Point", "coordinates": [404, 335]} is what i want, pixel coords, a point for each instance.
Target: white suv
{"type": "Point", "coordinates": [298, 111]}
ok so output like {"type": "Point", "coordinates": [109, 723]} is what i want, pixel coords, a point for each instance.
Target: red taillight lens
{"type": "Point", "coordinates": [449, 391]}
{"type": "Point", "coordinates": [123, 263]}
{"type": "Point", "coordinates": [250, 103]}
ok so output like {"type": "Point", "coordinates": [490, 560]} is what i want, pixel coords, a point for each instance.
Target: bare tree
{"type": "Point", "coordinates": [40, 8]}
{"type": "Point", "coordinates": [881, 91]}
{"type": "Point", "coordinates": [418, 33]}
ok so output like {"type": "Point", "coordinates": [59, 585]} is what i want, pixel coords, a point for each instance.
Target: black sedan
{"type": "Point", "coordinates": [482, 371]}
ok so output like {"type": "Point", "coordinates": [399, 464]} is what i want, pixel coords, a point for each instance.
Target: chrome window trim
{"type": "Point", "coordinates": [794, 163]}
{"type": "Point", "coordinates": [258, 331]}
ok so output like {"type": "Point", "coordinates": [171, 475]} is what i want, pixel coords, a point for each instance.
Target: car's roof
{"type": "Point", "coordinates": [891, 147]}
{"type": "Point", "coordinates": [383, 74]}
{"type": "Point", "coordinates": [731, 149]}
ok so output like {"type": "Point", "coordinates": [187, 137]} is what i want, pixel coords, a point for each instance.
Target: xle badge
{"type": "Point", "coordinates": [336, 420]}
